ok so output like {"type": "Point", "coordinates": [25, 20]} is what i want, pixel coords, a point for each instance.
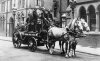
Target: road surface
{"type": "Point", "coordinates": [9, 53]}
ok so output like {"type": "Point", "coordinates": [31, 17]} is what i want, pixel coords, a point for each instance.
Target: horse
{"type": "Point", "coordinates": [71, 44]}
{"type": "Point", "coordinates": [63, 34]}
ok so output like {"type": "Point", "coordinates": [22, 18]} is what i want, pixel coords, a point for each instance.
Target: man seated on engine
{"type": "Point", "coordinates": [30, 22]}
{"type": "Point", "coordinates": [21, 26]}
{"type": "Point", "coordinates": [39, 23]}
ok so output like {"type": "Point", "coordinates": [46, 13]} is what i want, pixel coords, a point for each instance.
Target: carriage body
{"type": "Point", "coordinates": [29, 34]}
{"type": "Point", "coordinates": [34, 32]}
{"type": "Point", "coordinates": [30, 38]}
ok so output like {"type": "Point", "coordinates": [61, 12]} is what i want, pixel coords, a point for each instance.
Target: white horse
{"type": "Point", "coordinates": [74, 33]}
{"type": "Point", "coordinates": [62, 34]}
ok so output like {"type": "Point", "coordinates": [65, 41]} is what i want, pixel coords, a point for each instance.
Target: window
{"type": "Point", "coordinates": [3, 7]}
{"type": "Point", "coordinates": [83, 13]}
{"type": "Point", "coordinates": [55, 8]}
{"type": "Point", "coordinates": [19, 3]}
{"type": "Point", "coordinates": [92, 17]}
{"type": "Point", "coordinates": [9, 6]}
{"type": "Point", "coordinates": [23, 3]}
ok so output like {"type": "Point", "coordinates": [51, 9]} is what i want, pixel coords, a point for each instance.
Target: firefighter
{"type": "Point", "coordinates": [39, 20]}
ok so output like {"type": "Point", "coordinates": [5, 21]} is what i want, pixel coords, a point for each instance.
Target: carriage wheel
{"type": "Point", "coordinates": [32, 44]}
{"type": "Point", "coordinates": [16, 41]}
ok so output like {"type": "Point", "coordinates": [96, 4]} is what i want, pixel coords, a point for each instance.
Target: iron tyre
{"type": "Point", "coordinates": [32, 44]}
{"type": "Point", "coordinates": [16, 41]}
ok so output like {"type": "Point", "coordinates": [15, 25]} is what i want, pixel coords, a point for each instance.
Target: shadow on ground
{"type": "Point", "coordinates": [46, 52]}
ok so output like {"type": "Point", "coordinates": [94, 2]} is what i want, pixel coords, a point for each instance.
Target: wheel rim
{"type": "Point", "coordinates": [15, 45]}
{"type": "Point", "coordinates": [18, 43]}
{"type": "Point", "coordinates": [32, 45]}
{"type": "Point", "coordinates": [15, 41]}
{"type": "Point", "coordinates": [15, 38]}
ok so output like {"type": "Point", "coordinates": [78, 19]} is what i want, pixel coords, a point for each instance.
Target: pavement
{"type": "Point", "coordinates": [79, 48]}
{"type": "Point", "coordinates": [5, 38]}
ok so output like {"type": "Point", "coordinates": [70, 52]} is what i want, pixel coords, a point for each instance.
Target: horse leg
{"type": "Point", "coordinates": [73, 51]}
{"type": "Point", "coordinates": [74, 43]}
{"type": "Point", "coordinates": [60, 46]}
{"type": "Point", "coordinates": [75, 47]}
{"type": "Point", "coordinates": [52, 44]}
{"type": "Point", "coordinates": [67, 48]}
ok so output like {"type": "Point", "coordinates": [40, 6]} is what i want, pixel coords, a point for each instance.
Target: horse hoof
{"type": "Point", "coordinates": [51, 50]}
{"type": "Point", "coordinates": [73, 55]}
{"type": "Point", "coordinates": [70, 54]}
{"type": "Point", "coordinates": [62, 52]}
{"type": "Point", "coordinates": [66, 56]}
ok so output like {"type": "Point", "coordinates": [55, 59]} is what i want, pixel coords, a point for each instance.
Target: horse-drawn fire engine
{"type": "Point", "coordinates": [33, 33]}
{"type": "Point", "coordinates": [39, 31]}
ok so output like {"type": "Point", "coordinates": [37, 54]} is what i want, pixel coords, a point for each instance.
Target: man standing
{"type": "Point", "coordinates": [12, 25]}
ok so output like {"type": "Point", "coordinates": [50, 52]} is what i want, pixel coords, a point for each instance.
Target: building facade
{"type": "Point", "coordinates": [21, 8]}
{"type": "Point", "coordinates": [5, 11]}
{"type": "Point", "coordinates": [90, 11]}
{"type": "Point", "coordinates": [87, 9]}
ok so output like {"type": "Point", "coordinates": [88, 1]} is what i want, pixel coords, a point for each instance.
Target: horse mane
{"type": "Point", "coordinates": [72, 23]}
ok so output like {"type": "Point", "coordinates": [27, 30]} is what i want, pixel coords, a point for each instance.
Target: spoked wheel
{"type": "Point", "coordinates": [32, 44]}
{"type": "Point", "coordinates": [16, 41]}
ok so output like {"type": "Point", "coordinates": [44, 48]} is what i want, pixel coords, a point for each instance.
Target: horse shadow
{"type": "Point", "coordinates": [46, 52]}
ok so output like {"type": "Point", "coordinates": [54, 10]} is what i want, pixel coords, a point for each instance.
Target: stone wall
{"type": "Point", "coordinates": [91, 40]}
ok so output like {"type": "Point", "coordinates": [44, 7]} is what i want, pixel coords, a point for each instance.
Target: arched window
{"type": "Point", "coordinates": [55, 7]}
{"type": "Point", "coordinates": [92, 17]}
{"type": "Point", "coordinates": [99, 15]}
{"type": "Point", "coordinates": [83, 13]}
